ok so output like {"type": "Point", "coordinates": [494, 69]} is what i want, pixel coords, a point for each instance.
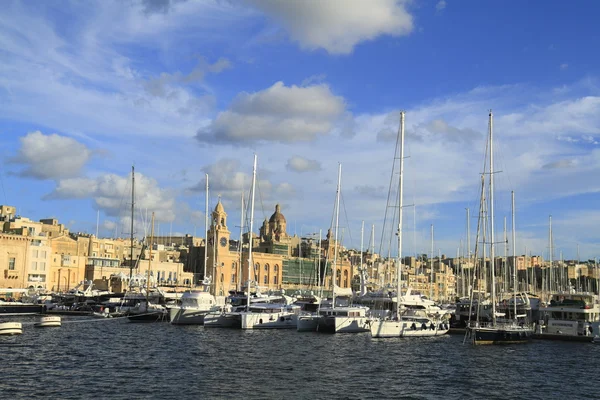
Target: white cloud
{"type": "Point", "coordinates": [301, 164]}
{"type": "Point", "coordinates": [279, 113]}
{"type": "Point", "coordinates": [564, 66]}
{"type": "Point", "coordinates": [111, 194]}
{"type": "Point", "coordinates": [338, 25]}
{"type": "Point", "coordinates": [440, 5]}
{"type": "Point", "coordinates": [51, 156]}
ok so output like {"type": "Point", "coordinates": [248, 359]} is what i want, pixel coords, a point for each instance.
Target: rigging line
{"type": "Point", "coordinates": [347, 221]}
{"type": "Point", "coordinates": [396, 150]}
{"type": "Point", "coordinates": [262, 206]}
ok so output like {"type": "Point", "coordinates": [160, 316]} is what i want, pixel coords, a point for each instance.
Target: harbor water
{"type": "Point", "coordinates": [117, 359]}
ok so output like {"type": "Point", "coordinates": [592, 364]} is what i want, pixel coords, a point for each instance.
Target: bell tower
{"type": "Point", "coordinates": [218, 235]}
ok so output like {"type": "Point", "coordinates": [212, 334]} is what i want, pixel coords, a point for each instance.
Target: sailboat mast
{"type": "Point", "coordinates": [250, 262]}
{"type": "Point", "coordinates": [431, 267]}
{"type": "Point", "coordinates": [205, 230]}
{"type": "Point", "coordinates": [337, 220]}
{"type": "Point", "coordinates": [492, 244]}
{"type": "Point", "coordinates": [400, 197]}
{"type": "Point", "coordinates": [514, 254]}
{"type": "Point", "coordinates": [239, 269]}
{"type": "Point", "coordinates": [131, 226]}
{"type": "Point", "coordinates": [149, 260]}
{"type": "Point", "coordinates": [471, 266]}
{"type": "Point", "coordinates": [550, 275]}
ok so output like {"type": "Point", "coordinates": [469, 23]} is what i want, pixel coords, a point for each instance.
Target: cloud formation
{"type": "Point", "coordinates": [338, 25]}
{"type": "Point", "coordinates": [279, 114]}
{"type": "Point", "coordinates": [50, 156]}
{"type": "Point", "coordinates": [301, 164]}
{"type": "Point", "coordinates": [111, 192]}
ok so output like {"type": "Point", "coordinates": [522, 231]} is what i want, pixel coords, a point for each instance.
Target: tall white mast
{"type": "Point", "coordinates": [400, 197]}
{"type": "Point", "coordinates": [471, 265]}
{"type": "Point", "coordinates": [492, 244]}
{"type": "Point", "coordinates": [550, 257]}
{"type": "Point", "coordinates": [514, 255]}
{"type": "Point", "coordinates": [431, 267]}
{"type": "Point", "coordinates": [363, 284]}
{"type": "Point", "coordinates": [505, 264]}
{"type": "Point", "coordinates": [206, 230]}
{"type": "Point", "coordinates": [337, 219]}
{"type": "Point", "coordinates": [250, 262]}
{"type": "Point", "coordinates": [239, 269]}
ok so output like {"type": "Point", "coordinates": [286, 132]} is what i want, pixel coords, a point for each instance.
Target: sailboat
{"type": "Point", "coordinates": [197, 302]}
{"type": "Point", "coordinates": [146, 311]}
{"type": "Point", "coordinates": [340, 319]}
{"type": "Point", "coordinates": [405, 322]}
{"type": "Point", "coordinates": [495, 332]}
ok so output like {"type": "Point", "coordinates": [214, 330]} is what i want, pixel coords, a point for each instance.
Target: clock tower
{"type": "Point", "coordinates": [218, 249]}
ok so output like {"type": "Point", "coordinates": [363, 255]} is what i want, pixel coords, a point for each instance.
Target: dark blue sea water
{"type": "Point", "coordinates": [117, 359]}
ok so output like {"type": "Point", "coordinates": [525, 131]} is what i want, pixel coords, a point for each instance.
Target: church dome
{"type": "Point", "coordinates": [277, 216]}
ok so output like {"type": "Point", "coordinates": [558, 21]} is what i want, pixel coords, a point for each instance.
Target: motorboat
{"type": "Point", "coordinates": [194, 306]}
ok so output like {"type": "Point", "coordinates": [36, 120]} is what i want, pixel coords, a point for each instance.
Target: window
{"type": "Point", "coordinates": [266, 267]}
{"type": "Point", "coordinates": [43, 254]}
{"type": "Point", "coordinates": [276, 268]}
{"type": "Point", "coordinates": [275, 279]}
{"type": "Point", "coordinates": [233, 266]}
{"type": "Point", "coordinates": [266, 280]}
{"type": "Point", "coordinates": [11, 264]}
{"type": "Point", "coordinates": [34, 265]}
{"type": "Point", "coordinates": [35, 254]}
{"type": "Point", "coordinates": [42, 265]}
{"type": "Point", "coordinates": [232, 278]}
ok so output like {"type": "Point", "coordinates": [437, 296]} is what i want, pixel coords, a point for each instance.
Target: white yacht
{"type": "Point", "coordinates": [229, 315]}
{"type": "Point", "coordinates": [410, 324]}
{"type": "Point", "coordinates": [570, 316]}
{"type": "Point", "coordinates": [270, 316]}
{"type": "Point", "coordinates": [350, 319]}
{"type": "Point", "coordinates": [194, 306]}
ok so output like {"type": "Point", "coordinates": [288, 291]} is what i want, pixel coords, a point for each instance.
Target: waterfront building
{"type": "Point", "coordinates": [275, 256]}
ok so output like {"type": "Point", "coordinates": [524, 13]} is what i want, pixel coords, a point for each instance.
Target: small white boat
{"type": "Point", "coordinates": [11, 328]}
{"type": "Point", "coordinates": [48, 322]}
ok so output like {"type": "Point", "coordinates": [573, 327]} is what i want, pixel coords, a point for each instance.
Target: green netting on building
{"type": "Point", "coordinates": [301, 271]}
{"type": "Point", "coordinates": [280, 249]}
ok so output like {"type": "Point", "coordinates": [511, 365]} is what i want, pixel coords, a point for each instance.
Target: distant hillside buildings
{"type": "Point", "coordinates": [45, 255]}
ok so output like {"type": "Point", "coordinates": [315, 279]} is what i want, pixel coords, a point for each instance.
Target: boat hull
{"type": "Point", "coordinates": [6, 308]}
{"type": "Point", "coordinates": [223, 320]}
{"type": "Point", "coordinates": [49, 322]}
{"type": "Point", "coordinates": [390, 328]}
{"type": "Point", "coordinates": [279, 320]}
{"type": "Point", "coordinates": [307, 323]}
{"type": "Point", "coordinates": [11, 328]}
{"type": "Point", "coordinates": [148, 317]}
{"type": "Point", "coordinates": [187, 316]}
{"type": "Point", "coordinates": [487, 336]}
{"type": "Point", "coordinates": [342, 324]}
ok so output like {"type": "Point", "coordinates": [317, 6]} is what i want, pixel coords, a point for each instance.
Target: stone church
{"type": "Point", "coordinates": [280, 261]}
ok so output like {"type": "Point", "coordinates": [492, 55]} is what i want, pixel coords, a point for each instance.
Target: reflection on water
{"type": "Point", "coordinates": [115, 359]}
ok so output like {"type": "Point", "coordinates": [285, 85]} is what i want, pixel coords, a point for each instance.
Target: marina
{"type": "Point", "coordinates": [285, 358]}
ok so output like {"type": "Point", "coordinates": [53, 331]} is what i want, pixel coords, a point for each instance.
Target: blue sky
{"type": "Point", "coordinates": [184, 88]}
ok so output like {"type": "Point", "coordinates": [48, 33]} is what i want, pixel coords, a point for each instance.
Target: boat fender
{"type": "Point", "coordinates": [432, 326]}
{"type": "Point", "coordinates": [413, 327]}
{"type": "Point", "coordinates": [423, 327]}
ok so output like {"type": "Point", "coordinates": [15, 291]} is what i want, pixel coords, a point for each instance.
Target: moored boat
{"type": "Point", "coordinates": [51, 321]}
{"type": "Point", "coordinates": [11, 328]}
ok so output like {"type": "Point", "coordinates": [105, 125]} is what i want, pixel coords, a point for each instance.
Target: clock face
{"type": "Point", "coordinates": [223, 241]}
